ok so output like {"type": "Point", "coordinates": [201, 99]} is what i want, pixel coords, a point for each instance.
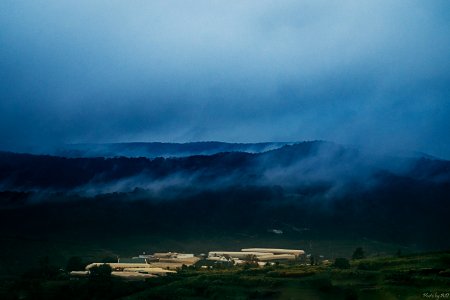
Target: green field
{"type": "Point", "coordinates": [418, 276]}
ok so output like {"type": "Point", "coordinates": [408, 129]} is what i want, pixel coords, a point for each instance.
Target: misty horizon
{"type": "Point", "coordinates": [91, 149]}
{"type": "Point", "coordinates": [374, 74]}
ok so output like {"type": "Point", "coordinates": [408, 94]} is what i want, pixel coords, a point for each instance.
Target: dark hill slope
{"type": "Point", "coordinates": [312, 191]}
{"type": "Point", "coordinates": [307, 163]}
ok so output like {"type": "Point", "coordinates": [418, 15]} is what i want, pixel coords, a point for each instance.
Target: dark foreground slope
{"type": "Point", "coordinates": [407, 277]}
{"type": "Point", "coordinates": [412, 277]}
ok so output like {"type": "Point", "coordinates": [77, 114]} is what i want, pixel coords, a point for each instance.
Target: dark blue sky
{"type": "Point", "coordinates": [373, 73]}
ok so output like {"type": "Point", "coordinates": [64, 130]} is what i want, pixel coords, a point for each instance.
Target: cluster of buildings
{"type": "Point", "coordinates": [161, 264]}
{"type": "Point", "coordinates": [261, 256]}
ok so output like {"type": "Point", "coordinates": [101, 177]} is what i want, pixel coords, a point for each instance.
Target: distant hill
{"type": "Point", "coordinates": [290, 166]}
{"type": "Point", "coordinates": [155, 149]}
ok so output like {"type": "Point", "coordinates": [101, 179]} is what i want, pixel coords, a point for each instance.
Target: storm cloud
{"type": "Point", "coordinates": [371, 73]}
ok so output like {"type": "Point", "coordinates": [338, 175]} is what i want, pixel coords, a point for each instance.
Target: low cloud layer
{"type": "Point", "coordinates": [374, 74]}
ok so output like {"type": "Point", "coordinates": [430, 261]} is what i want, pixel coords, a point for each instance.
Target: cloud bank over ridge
{"type": "Point", "coordinates": [375, 74]}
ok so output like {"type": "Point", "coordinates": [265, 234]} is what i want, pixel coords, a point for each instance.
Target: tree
{"type": "Point", "coordinates": [251, 258]}
{"type": "Point", "coordinates": [101, 272]}
{"type": "Point", "coordinates": [312, 260]}
{"type": "Point", "coordinates": [75, 263]}
{"type": "Point", "coordinates": [358, 254]}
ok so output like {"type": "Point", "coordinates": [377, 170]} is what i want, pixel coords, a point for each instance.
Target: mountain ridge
{"type": "Point", "coordinates": [159, 149]}
{"type": "Point", "coordinates": [289, 165]}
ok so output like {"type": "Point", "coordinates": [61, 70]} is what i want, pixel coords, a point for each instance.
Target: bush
{"type": "Point", "coordinates": [342, 263]}
{"type": "Point", "coordinates": [445, 261]}
{"type": "Point", "coordinates": [250, 265]}
{"type": "Point", "coordinates": [367, 266]}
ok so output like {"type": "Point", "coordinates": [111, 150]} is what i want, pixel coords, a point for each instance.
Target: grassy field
{"type": "Point", "coordinates": [419, 276]}
{"type": "Point", "coordinates": [18, 253]}
{"type": "Point", "coordinates": [410, 277]}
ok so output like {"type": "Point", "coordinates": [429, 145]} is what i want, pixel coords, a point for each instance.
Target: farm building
{"type": "Point", "coordinates": [235, 254]}
{"type": "Point", "coordinates": [132, 260]}
{"type": "Point", "coordinates": [297, 253]}
{"type": "Point", "coordinates": [258, 254]}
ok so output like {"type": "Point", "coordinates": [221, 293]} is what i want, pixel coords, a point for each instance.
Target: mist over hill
{"type": "Point", "coordinates": [299, 192]}
{"type": "Point", "coordinates": [289, 166]}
